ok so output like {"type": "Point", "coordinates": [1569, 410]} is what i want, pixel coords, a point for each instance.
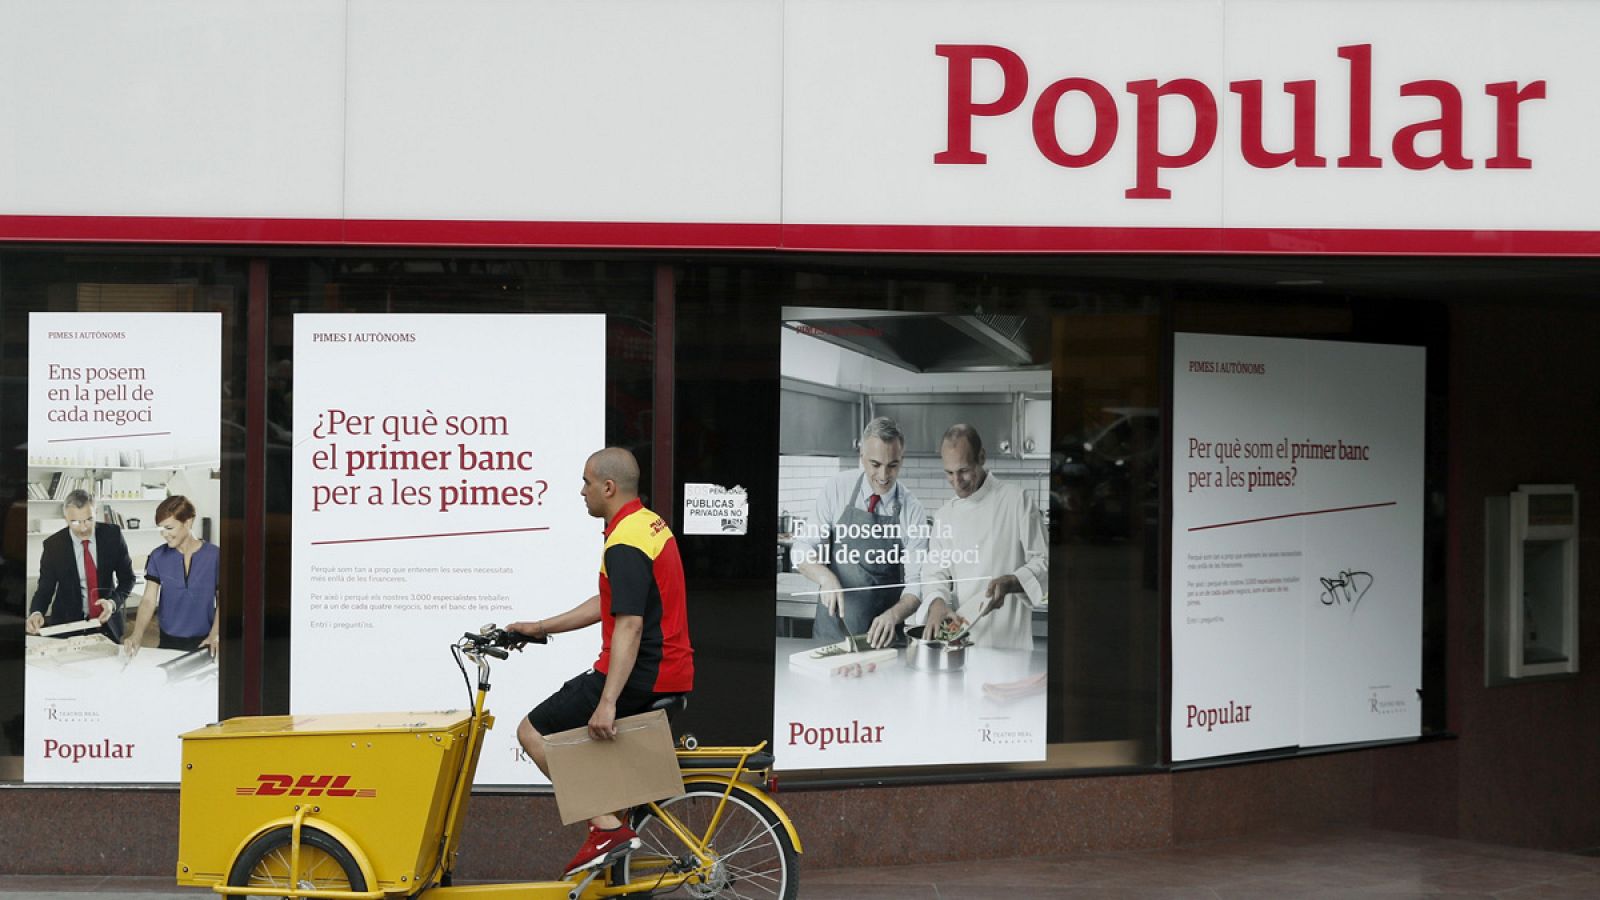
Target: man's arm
{"type": "Point", "coordinates": [915, 529]}
{"type": "Point", "coordinates": [624, 650]}
{"type": "Point", "coordinates": [914, 572]}
{"type": "Point", "coordinates": [581, 616]}
{"type": "Point", "coordinates": [1032, 578]}
{"type": "Point", "coordinates": [881, 632]}
{"type": "Point", "coordinates": [807, 541]}
{"type": "Point", "coordinates": [48, 580]}
{"type": "Point", "coordinates": [831, 598]}
{"type": "Point", "coordinates": [809, 547]}
{"type": "Point", "coordinates": [938, 576]}
{"type": "Point", "coordinates": [631, 575]}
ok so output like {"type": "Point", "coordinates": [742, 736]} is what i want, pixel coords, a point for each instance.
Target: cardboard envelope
{"type": "Point", "coordinates": [596, 777]}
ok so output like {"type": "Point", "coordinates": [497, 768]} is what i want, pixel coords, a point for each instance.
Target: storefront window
{"type": "Point", "coordinates": [780, 369]}
{"type": "Point", "coordinates": [124, 387]}
{"type": "Point", "coordinates": [1059, 367]}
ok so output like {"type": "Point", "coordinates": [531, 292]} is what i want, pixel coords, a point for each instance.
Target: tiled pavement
{"type": "Point", "coordinates": [1334, 863]}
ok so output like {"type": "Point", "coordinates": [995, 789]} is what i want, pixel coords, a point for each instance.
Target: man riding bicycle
{"type": "Point", "coordinates": [644, 632]}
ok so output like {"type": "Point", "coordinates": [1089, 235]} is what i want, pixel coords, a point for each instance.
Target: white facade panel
{"type": "Point", "coordinates": [800, 113]}
{"type": "Point", "coordinates": [1467, 44]}
{"type": "Point", "coordinates": [179, 108]}
{"type": "Point", "coordinates": [866, 112]}
{"type": "Point", "coordinates": [565, 110]}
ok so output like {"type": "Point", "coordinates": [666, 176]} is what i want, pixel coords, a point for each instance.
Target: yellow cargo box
{"type": "Point", "coordinates": [383, 779]}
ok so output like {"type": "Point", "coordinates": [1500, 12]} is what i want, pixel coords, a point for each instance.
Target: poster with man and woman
{"type": "Point", "coordinates": [124, 459]}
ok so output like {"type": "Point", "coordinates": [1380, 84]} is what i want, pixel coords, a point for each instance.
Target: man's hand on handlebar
{"type": "Point", "coordinates": [493, 641]}
{"type": "Point", "coordinates": [533, 631]}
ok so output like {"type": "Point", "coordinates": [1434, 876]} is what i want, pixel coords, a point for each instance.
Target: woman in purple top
{"type": "Point", "coordinates": [181, 584]}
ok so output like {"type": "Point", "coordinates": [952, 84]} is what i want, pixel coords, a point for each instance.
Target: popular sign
{"type": "Point", "coordinates": [1442, 128]}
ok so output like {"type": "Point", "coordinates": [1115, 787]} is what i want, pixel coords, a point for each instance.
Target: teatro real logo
{"type": "Point", "coordinates": [69, 715]}
{"type": "Point", "coordinates": [989, 734]}
{"type": "Point", "coordinates": [1377, 705]}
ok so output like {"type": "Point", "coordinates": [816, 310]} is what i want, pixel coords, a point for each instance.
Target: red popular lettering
{"type": "Point", "coordinates": [1161, 109]}
{"type": "Point", "coordinates": [962, 108]}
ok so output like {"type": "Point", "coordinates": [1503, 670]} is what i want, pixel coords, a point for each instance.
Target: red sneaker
{"type": "Point", "coordinates": [603, 847]}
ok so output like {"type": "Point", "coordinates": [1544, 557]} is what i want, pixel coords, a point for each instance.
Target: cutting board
{"type": "Point", "coordinates": [857, 662]}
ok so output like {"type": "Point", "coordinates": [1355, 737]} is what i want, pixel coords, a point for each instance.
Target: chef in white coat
{"type": "Point", "coordinates": [987, 551]}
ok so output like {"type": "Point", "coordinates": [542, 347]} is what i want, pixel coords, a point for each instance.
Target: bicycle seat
{"type": "Point", "coordinates": [672, 704]}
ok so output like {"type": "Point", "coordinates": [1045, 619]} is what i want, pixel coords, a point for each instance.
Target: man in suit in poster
{"type": "Point", "coordinates": [84, 572]}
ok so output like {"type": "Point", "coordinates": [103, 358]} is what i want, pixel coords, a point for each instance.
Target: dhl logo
{"type": "Point", "coordinates": [303, 786]}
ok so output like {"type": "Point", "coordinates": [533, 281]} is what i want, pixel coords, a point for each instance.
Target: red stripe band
{"type": "Point", "coordinates": [814, 238]}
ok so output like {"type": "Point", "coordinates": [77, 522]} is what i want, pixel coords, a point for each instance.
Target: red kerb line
{"type": "Point", "coordinates": [413, 537]}
{"type": "Point", "coordinates": [102, 437]}
{"type": "Point", "coordinates": [1314, 512]}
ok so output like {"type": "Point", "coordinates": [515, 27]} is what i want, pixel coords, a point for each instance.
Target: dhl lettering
{"type": "Point", "coordinates": [304, 786]}
{"type": "Point", "coordinates": [274, 785]}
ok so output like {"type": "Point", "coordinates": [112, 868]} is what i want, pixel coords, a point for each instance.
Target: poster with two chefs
{"type": "Point", "coordinates": [913, 567]}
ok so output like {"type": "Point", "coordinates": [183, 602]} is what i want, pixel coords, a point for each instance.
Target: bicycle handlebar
{"type": "Point", "coordinates": [492, 640]}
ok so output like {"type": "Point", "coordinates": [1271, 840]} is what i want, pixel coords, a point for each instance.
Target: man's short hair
{"type": "Point", "coordinates": [963, 432]}
{"type": "Point", "coordinates": [884, 429]}
{"type": "Point", "coordinates": [617, 464]}
{"type": "Point", "coordinates": [77, 499]}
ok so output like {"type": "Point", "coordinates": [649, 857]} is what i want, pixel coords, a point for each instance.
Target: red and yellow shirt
{"type": "Point", "coordinates": [641, 575]}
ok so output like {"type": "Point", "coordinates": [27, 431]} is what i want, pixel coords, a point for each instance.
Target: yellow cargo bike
{"type": "Point", "coordinates": [372, 806]}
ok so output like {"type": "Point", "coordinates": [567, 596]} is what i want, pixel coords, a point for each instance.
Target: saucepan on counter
{"type": "Point", "coordinates": [934, 656]}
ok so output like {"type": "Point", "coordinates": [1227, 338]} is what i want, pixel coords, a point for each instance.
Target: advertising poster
{"type": "Point", "coordinates": [883, 519]}
{"type": "Point", "coordinates": [1296, 543]}
{"type": "Point", "coordinates": [437, 464]}
{"type": "Point", "coordinates": [124, 411]}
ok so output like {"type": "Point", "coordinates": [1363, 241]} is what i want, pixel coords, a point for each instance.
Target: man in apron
{"type": "Point", "coordinates": [873, 531]}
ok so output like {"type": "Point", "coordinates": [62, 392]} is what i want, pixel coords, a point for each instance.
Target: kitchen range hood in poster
{"type": "Point", "coordinates": [877, 524]}
{"type": "Point", "coordinates": [126, 409]}
{"type": "Point", "coordinates": [1296, 543]}
{"type": "Point", "coordinates": [437, 467]}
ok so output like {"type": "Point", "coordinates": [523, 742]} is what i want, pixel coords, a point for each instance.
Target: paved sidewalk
{"type": "Point", "coordinates": [1347, 864]}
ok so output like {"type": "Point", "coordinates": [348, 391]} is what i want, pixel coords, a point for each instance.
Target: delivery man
{"type": "Point", "coordinates": [644, 635]}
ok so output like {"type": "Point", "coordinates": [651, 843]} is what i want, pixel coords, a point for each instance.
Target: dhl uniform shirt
{"type": "Point", "coordinates": [641, 574]}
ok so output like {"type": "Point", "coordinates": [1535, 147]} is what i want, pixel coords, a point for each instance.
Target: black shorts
{"type": "Point", "coordinates": [574, 704]}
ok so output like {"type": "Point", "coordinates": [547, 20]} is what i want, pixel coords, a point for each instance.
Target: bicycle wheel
{"type": "Point", "coordinates": [324, 863]}
{"type": "Point", "coordinates": [755, 859]}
